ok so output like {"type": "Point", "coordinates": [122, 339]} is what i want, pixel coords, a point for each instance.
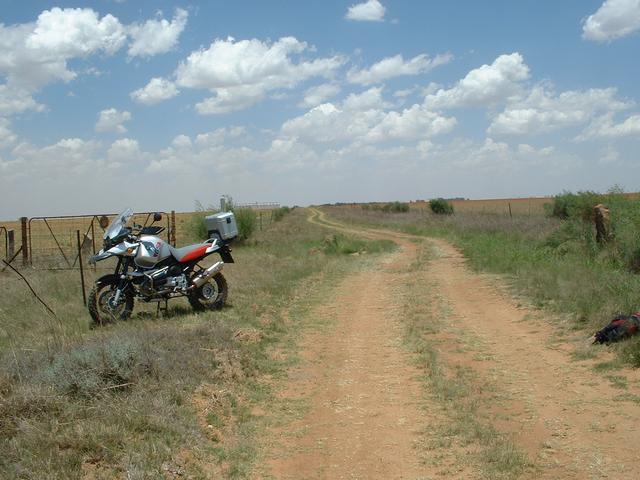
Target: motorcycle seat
{"type": "Point", "coordinates": [190, 252]}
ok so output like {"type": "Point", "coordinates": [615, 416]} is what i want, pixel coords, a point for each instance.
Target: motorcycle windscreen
{"type": "Point", "coordinates": [118, 223]}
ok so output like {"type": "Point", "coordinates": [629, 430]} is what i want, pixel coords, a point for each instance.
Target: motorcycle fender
{"type": "Point", "coordinates": [225, 254]}
{"type": "Point", "coordinates": [106, 279]}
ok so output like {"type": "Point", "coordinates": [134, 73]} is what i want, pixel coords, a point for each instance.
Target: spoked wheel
{"type": "Point", "coordinates": [210, 296]}
{"type": "Point", "coordinates": [103, 307]}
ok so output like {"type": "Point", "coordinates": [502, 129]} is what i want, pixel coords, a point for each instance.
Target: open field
{"type": "Point", "coordinates": [338, 356]}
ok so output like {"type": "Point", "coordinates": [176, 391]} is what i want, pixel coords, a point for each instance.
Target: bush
{"type": "Point", "coordinates": [196, 228]}
{"type": "Point", "coordinates": [575, 205]}
{"type": "Point", "coordinates": [247, 220]}
{"type": "Point", "coordinates": [279, 213]}
{"type": "Point", "coordinates": [396, 207]}
{"type": "Point", "coordinates": [440, 206]}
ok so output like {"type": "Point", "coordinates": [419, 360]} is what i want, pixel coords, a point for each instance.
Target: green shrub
{"type": "Point", "coordinates": [575, 205]}
{"type": "Point", "coordinates": [247, 220]}
{"type": "Point", "coordinates": [396, 207]}
{"type": "Point", "coordinates": [196, 228]}
{"type": "Point", "coordinates": [279, 213]}
{"type": "Point", "coordinates": [440, 206]}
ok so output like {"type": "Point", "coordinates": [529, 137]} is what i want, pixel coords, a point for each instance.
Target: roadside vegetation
{"type": "Point", "coordinates": [156, 396]}
{"type": "Point", "coordinates": [553, 259]}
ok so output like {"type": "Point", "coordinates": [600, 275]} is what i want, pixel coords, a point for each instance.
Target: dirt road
{"type": "Point", "coordinates": [373, 412]}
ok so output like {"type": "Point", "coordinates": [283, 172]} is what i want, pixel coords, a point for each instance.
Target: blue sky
{"type": "Point", "coordinates": [107, 104]}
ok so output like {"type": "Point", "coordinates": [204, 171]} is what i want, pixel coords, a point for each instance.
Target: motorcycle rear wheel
{"type": "Point", "coordinates": [99, 308]}
{"type": "Point", "coordinates": [210, 296]}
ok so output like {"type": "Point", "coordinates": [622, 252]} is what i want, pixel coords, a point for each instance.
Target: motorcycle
{"type": "Point", "coordinates": [151, 270]}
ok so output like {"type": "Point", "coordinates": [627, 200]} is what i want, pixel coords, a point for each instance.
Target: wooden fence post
{"type": "Point", "coordinates": [25, 241]}
{"type": "Point", "coordinates": [172, 233]}
{"type": "Point", "coordinates": [11, 243]}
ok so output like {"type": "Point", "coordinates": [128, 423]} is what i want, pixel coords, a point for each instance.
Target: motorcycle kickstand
{"type": "Point", "coordinates": [164, 309]}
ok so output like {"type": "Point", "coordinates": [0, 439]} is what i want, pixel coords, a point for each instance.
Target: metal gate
{"type": "Point", "coordinates": [53, 241]}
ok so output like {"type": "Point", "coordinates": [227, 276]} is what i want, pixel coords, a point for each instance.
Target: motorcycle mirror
{"type": "Point", "coordinates": [157, 217]}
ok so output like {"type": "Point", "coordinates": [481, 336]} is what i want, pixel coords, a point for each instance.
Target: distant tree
{"type": "Point", "coordinates": [440, 206]}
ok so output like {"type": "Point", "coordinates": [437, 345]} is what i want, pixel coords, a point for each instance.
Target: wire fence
{"type": "Point", "coordinates": [52, 241]}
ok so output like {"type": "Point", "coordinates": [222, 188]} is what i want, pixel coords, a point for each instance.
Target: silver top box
{"type": "Point", "coordinates": [222, 225]}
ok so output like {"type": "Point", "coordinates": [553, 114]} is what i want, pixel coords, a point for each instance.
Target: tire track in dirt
{"type": "Point", "coordinates": [363, 392]}
{"type": "Point", "coordinates": [572, 421]}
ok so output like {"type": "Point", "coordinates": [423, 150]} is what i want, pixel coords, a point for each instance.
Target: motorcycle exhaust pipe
{"type": "Point", "coordinates": [206, 275]}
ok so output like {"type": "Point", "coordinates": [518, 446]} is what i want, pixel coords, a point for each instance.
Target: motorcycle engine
{"type": "Point", "coordinates": [163, 280]}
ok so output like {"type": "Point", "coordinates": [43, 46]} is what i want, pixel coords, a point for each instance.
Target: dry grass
{"type": "Point", "coordinates": [127, 401]}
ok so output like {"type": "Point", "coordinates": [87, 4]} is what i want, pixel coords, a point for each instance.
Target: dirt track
{"type": "Point", "coordinates": [370, 416]}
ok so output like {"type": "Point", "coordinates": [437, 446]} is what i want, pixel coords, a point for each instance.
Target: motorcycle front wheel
{"type": "Point", "coordinates": [102, 306]}
{"type": "Point", "coordinates": [210, 296]}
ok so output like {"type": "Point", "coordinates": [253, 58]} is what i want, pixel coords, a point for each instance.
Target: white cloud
{"type": "Point", "coordinates": [156, 36]}
{"type": "Point", "coordinates": [483, 86]}
{"type": "Point", "coordinates": [544, 111]}
{"type": "Point", "coordinates": [35, 54]}
{"type": "Point", "coordinates": [231, 99]}
{"type": "Point", "coordinates": [156, 91]}
{"type": "Point", "coordinates": [16, 100]}
{"type": "Point", "coordinates": [111, 120]}
{"type": "Point", "coordinates": [605, 127]}
{"type": "Point", "coordinates": [367, 100]}
{"type": "Point", "coordinates": [218, 136]}
{"type": "Point", "coordinates": [319, 94]}
{"type": "Point", "coordinates": [123, 151]}
{"type": "Point", "coordinates": [363, 118]}
{"type": "Point", "coordinates": [7, 137]}
{"type": "Point", "coordinates": [614, 19]}
{"type": "Point", "coordinates": [396, 66]}
{"type": "Point", "coordinates": [67, 156]}
{"type": "Point", "coordinates": [239, 74]}
{"type": "Point", "coordinates": [369, 11]}
{"type": "Point", "coordinates": [76, 32]}
{"type": "Point", "coordinates": [181, 141]}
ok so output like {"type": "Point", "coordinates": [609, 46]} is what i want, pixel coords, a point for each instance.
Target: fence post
{"type": "Point", "coordinates": [260, 221]}
{"type": "Point", "coordinates": [25, 241]}
{"type": "Point", "coordinates": [11, 243]}
{"type": "Point", "coordinates": [84, 294]}
{"type": "Point", "coordinates": [510, 215]}
{"type": "Point", "coordinates": [172, 233]}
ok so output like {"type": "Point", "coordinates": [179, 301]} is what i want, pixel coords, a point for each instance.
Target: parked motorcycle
{"type": "Point", "coordinates": [149, 269]}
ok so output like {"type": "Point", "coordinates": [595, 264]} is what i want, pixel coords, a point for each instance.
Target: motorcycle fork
{"type": "Point", "coordinates": [123, 280]}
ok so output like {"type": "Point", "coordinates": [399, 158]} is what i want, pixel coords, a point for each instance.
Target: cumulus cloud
{"type": "Point", "coordinates": [35, 54]}
{"type": "Point", "coordinates": [369, 11]}
{"type": "Point", "coordinates": [65, 157]}
{"type": "Point", "coordinates": [396, 66]}
{"type": "Point", "coordinates": [156, 36]}
{"type": "Point", "coordinates": [123, 151]}
{"type": "Point", "coordinates": [231, 99]}
{"type": "Point", "coordinates": [614, 19]}
{"type": "Point", "coordinates": [240, 73]}
{"type": "Point", "coordinates": [156, 91]}
{"type": "Point", "coordinates": [7, 137]}
{"type": "Point", "coordinates": [111, 120]}
{"type": "Point", "coordinates": [484, 86]}
{"type": "Point", "coordinates": [544, 111]}
{"type": "Point", "coordinates": [367, 100]}
{"type": "Point", "coordinates": [363, 118]}
{"type": "Point", "coordinates": [605, 127]}
{"type": "Point", "coordinates": [319, 94]}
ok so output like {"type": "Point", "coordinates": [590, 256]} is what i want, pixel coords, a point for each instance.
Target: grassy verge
{"type": "Point", "coordinates": [463, 397]}
{"type": "Point", "coordinates": [154, 397]}
{"type": "Point", "coordinates": [544, 260]}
